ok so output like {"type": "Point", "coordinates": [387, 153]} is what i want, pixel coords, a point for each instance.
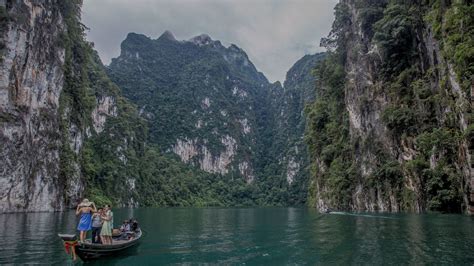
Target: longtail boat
{"type": "Point", "coordinates": [91, 251]}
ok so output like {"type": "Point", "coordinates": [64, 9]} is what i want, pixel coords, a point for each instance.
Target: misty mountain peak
{"type": "Point", "coordinates": [202, 40]}
{"type": "Point", "coordinates": [167, 35]}
{"type": "Point", "coordinates": [136, 37]}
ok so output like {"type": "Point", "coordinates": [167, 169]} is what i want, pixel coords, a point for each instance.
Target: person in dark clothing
{"type": "Point", "coordinates": [96, 226]}
{"type": "Point", "coordinates": [134, 226]}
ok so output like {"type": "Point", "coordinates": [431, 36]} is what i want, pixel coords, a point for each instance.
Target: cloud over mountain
{"type": "Point", "coordinates": [274, 33]}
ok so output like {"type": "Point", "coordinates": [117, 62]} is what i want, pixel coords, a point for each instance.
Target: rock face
{"type": "Point", "coordinates": [299, 90]}
{"type": "Point", "coordinates": [202, 99]}
{"type": "Point", "coordinates": [47, 113]}
{"type": "Point", "coordinates": [105, 107]}
{"type": "Point", "coordinates": [286, 118]}
{"type": "Point", "coordinates": [31, 80]}
{"type": "Point", "coordinates": [387, 138]}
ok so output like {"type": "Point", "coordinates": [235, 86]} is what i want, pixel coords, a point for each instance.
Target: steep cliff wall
{"type": "Point", "coordinates": [54, 98]}
{"type": "Point", "coordinates": [284, 151]}
{"type": "Point", "coordinates": [389, 132]}
{"type": "Point", "coordinates": [298, 92]}
{"type": "Point", "coordinates": [31, 80]}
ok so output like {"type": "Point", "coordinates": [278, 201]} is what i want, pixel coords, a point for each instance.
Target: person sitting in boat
{"type": "Point", "coordinates": [97, 226]}
{"type": "Point", "coordinates": [85, 209]}
{"type": "Point", "coordinates": [107, 225]}
{"type": "Point", "coordinates": [125, 232]}
{"type": "Point", "coordinates": [134, 226]}
{"type": "Point", "coordinates": [125, 227]}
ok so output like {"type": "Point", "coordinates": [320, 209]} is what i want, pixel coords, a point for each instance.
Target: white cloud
{"type": "Point", "coordinates": [274, 33]}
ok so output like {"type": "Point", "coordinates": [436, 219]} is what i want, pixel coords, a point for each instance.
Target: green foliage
{"type": "Point", "coordinates": [327, 135]}
{"type": "Point", "coordinates": [165, 181]}
{"type": "Point", "coordinates": [440, 140]}
{"type": "Point", "coordinates": [77, 99]}
{"type": "Point", "coordinates": [440, 184]}
{"type": "Point", "coordinates": [415, 111]}
{"type": "Point", "coordinates": [391, 172]}
{"type": "Point", "coordinates": [337, 37]}
{"type": "Point", "coordinates": [369, 13]}
{"type": "Point", "coordinates": [399, 119]}
{"type": "Point", "coordinates": [96, 195]}
{"type": "Point", "coordinates": [453, 25]}
{"type": "Point", "coordinates": [395, 33]}
{"type": "Point", "coordinates": [408, 200]}
{"type": "Point", "coordinates": [443, 188]}
{"type": "Point", "coordinates": [340, 179]}
{"type": "Point", "coordinates": [413, 107]}
{"type": "Point", "coordinates": [101, 162]}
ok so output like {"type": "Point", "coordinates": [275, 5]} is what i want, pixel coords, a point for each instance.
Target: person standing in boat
{"type": "Point", "coordinates": [85, 209]}
{"type": "Point", "coordinates": [96, 226]}
{"type": "Point", "coordinates": [107, 225]}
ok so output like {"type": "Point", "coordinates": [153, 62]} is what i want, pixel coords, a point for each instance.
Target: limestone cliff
{"type": "Point", "coordinates": [389, 130]}
{"type": "Point", "coordinates": [31, 81]}
{"type": "Point", "coordinates": [285, 153]}
{"type": "Point", "coordinates": [53, 98]}
{"type": "Point", "coordinates": [298, 92]}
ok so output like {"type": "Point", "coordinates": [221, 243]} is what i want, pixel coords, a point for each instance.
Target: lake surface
{"type": "Point", "coordinates": [255, 236]}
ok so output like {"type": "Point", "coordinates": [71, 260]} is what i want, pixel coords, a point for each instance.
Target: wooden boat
{"type": "Point", "coordinates": [91, 251]}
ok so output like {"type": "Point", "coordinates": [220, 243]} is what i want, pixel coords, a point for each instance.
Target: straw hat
{"type": "Point", "coordinates": [85, 203]}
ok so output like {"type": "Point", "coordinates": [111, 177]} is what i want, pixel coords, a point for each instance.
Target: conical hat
{"type": "Point", "coordinates": [85, 203]}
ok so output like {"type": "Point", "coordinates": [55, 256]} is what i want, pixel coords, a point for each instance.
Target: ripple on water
{"type": "Point", "coordinates": [256, 236]}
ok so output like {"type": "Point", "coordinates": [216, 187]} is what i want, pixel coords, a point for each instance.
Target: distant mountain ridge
{"type": "Point", "coordinates": [199, 96]}
{"type": "Point", "coordinates": [209, 104]}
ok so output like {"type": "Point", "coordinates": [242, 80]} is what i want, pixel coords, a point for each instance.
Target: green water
{"type": "Point", "coordinates": [255, 236]}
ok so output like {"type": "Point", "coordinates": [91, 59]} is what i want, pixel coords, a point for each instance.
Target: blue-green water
{"type": "Point", "coordinates": [255, 236]}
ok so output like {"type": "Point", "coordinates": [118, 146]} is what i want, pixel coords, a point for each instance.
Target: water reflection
{"type": "Point", "coordinates": [33, 236]}
{"type": "Point", "coordinates": [255, 236]}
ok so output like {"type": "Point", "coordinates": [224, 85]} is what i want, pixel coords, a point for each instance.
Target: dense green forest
{"type": "Point", "coordinates": [199, 92]}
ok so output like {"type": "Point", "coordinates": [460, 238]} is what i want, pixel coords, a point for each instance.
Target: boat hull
{"type": "Point", "coordinates": [88, 251]}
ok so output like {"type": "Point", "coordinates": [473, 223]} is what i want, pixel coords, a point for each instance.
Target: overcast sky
{"type": "Point", "coordinates": [274, 33]}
